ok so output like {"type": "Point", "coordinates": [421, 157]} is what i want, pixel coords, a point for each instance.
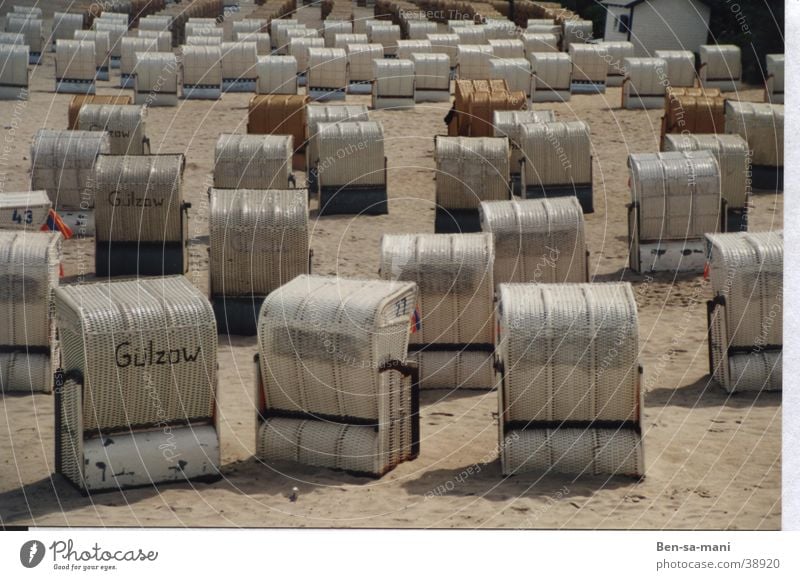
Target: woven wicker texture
{"type": "Point", "coordinates": [515, 71]}
{"type": "Point", "coordinates": [147, 351]}
{"type": "Point", "coordinates": [359, 59]}
{"type": "Point", "coordinates": [253, 161]}
{"type": "Point", "coordinates": [569, 352]}
{"type": "Point", "coordinates": [385, 34]}
{"type": "Point", "coordinates": [470, 35]}
{"type": "Point", "coordinates": [27, 210]}
{"type": "Point", "coordinates": [545, 28]}
{"type": "Point", "coordinates": [277, 75]}
{"type": "Point", "coordinates": [394, 77]}
{"type": "Point", "coordinates": [203, 41]}
{"type": "Point", "coordinates": [29, 28]}
{"type": "Point", "coordinates": [357, 448]}
{"type": "Point", "coordinates": [131, 46]}
{"type": "Point", "coordinates": [14, 71]}
{"type": "Point", "coordinates": [298, 48]}
{"type": "Point", "coordinates": [278, 115]}
{"type": "Point", "coordinates": [445, 44]}
{"type": "Point", "coordinates": [262, 40]}
{"type": "Point", "coordinates": [316, 114]}
{"type": "Point", "coordinates": [775, 74]}
{"type": "Point", "coordinates": [330, 28]}
{"type": "Point", "coordinates": [618, 51]}
{"type": "Point", "coordinates": [756, 371]}
{"type": "Point", "coordinates": [534, 43]}
{"type": "Point", "coordinates": [446, 369]}
{"type": "Point", "coordinates": [157, 73]}
{"type": "Point", "coordinates": [761, 125]}
{"type": "Point", "coordinates": [680, 67]}
{"type": "Point", "coordinates": [125, 125]}
{"type": "Point", "coordinates": [574, 451]}
{"type": "Point", "coordinates": [12, 38]}
{"type": "Point", "coordinates": [720, 62]}
{"type": "Point", "coordinates": [537, 240]}
{"type": "Point", "coordinates": [558, 153]}
{"type": "Point", "coordinates": [62, 163]}
{"type": "Point", "coordinates": [694, 110]}
{"type": "Point", "coordinates": [116, 31]}
{"type": "Point", "coordinates": [342, 40]}
{"type": "Point", "coordinates": [678, 194]}
{"type": "Point", "coordinates": [646, 77]}
{"type": "Point", "coordinates": [732, 155]}
{"type": "Point", "coordinates": [327, 68]}
{"type": "Point", "coordinates": [163, 39]}
{"type": "Point", "coordinates": [507, 124]}
{"type": "Point", "coordinates": [239, 60]}
{"type": "Point", "coordinates": [350, 153]}
{"type": "Point", "coordinates": [71, 430]}
{"type": "Point", "coordinates": [405, 48]}
{"type": "Point", "coordinates": [193, 31]}
{"type": "Point", "coordinates": [420, 29]}
{"type": "Point", "coordinates": [258, 240]}
{"type": "Point", "coordinates": [25, 372]}
{"type": "Point", "coordinates": [453, 273]}
{"type": "Point", "coordinates": [202, 65]}
{"type": "Point", "coordinates": [79, 100]}
{"type": "Point", "coordinates": [470, 170]}
{"type": "Point", "coordinates": [29, 269]}
{"type": "Point", "coordinates": [497, 29]}
{"type": "Point", "coordinates": [576, 32]}
{"type": "Point", "coordinates": [139, 198]}
{"type": "Point", "coordinates": [249, 25]}
{"type": "Point", "coordinates": [589, 62]}
{"type": "Point", "coordinates": [322, 340]}
{"type": "Point", "coordinates": [75, 60]}
{"type": "Point", "coordinates": [473, 61]}
{"type": "Point", "coordinates": [552, 71]}
{"type": "Point", "coordinates": [155, 22]}
{"type": "Point", "coordinates": [507, 48]}
{"type": "Point", "coordinates": [431, 72]}
{"type": "Point", "coordinates": [102, 44]}
{"type": "Point", "coordinates": [747, 269]}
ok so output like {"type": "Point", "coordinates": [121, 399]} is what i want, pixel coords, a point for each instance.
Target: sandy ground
{"type": "Point", "coordinates": [713, 461]}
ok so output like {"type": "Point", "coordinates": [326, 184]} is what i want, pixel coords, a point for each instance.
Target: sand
{"type": "Point", "coordinates": [713, 460]}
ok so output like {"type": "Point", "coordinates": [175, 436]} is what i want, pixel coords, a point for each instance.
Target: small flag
{"type": "Point", "coordinates": [54, 223]}
{"type": "Point", "coordinates": [416, 320]}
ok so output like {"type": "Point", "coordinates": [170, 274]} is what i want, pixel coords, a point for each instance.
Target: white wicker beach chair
{"type": "Point", "coordinates": [557, 161]}
{"type": "Point", "coordinates": [125, 125]}
{"type": "Point", "coordinates": [258, 242]}
{"type": "Point", "coordinates": [253, 161]}
{"type": "Point", "coordinates": [570, 398]}
{"type": "Point", "coordinates": [733, 156]}
{"type": "Point", "coordinates": [675, 200]}
{"type": "Point", "coordinates": [469, 170]}
{"type": "Point", "coordinates": [453, 344]}
{"type": "Point", "coordinates": [29, 271]}
{"type": "Point", "coordinates": [537, 240]}
{"type": "Point", "coordinates": [141, 219]}
{"type": "Point", "coordinates": [746, 315]}
{"type": "Point", "coordinates": [136, 400]}
{"type": "Point", "coordinates": [62, 164]}
{"type": "Point", "coordinates": [334, 390]}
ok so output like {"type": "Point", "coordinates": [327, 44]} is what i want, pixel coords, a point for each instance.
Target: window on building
{"type": "Point", "coordinates": [623, 23]}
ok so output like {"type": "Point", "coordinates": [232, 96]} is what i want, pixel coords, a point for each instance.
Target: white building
{"type": "Point", "coordinates": [657, 24]}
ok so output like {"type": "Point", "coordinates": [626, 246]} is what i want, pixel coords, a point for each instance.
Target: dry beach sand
{"type": "Point", "coordinates": [713, 461]}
